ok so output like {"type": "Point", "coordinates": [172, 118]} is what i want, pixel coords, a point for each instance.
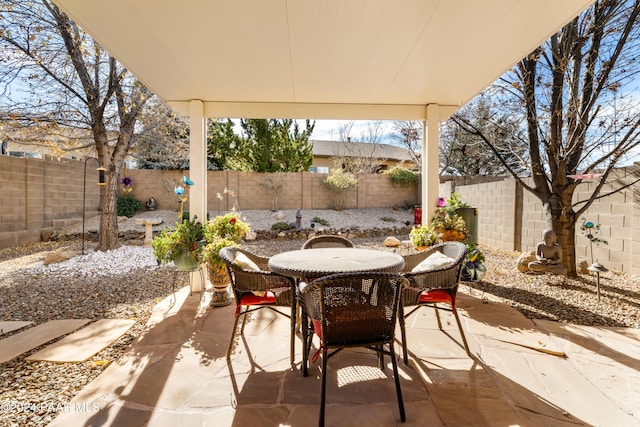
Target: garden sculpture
{"type": "Point", "coordinates": [548, 255]}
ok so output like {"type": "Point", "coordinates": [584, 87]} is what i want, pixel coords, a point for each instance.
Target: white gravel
{"type": "Point", "coordinates": [97, 263]}
{"type": "Point", "coordinates": [127, 258]}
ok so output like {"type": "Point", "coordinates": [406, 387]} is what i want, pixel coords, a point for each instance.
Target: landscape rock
{"type": "Point", "coordinates": [523, 261]}
{"type": "Point", "coordinates": [583, 266]}
{"type": "Point", "coordinates": [58, 257]}
{"type": "Point", "coordinates": [392, 242]}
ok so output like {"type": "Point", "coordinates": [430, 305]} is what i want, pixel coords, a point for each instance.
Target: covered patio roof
{"type": "Point", "coordinates": [329, 59]}
{"type": "Point", "coordinates": [319, 59]}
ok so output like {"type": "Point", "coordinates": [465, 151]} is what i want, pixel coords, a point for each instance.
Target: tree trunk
{"type": "Point", "coordinates": [109, 206]}
{"type": "Point", "coordinates": [560, 217]}
{"type": "Point", "coordinates": [566, 232]}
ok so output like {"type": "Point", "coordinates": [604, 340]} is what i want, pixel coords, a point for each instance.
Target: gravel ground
{"type": "Point", "coordinates": [127, 283]}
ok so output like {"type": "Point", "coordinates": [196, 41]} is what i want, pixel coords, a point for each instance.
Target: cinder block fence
{"type": "Point", "coordinates": [40, 194]}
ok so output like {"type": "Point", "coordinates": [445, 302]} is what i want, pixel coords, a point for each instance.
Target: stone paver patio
{"type": "Point", "coordinates": [176, 374]}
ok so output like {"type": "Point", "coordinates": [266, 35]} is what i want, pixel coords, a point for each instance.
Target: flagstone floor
{"type": "Point", "coordinates": [521, 373]}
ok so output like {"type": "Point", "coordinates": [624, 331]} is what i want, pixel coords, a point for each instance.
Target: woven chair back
{"type": "Point", "coordinates": [354, 309]}
{"type": "Point", "coordinates": [328, 241]}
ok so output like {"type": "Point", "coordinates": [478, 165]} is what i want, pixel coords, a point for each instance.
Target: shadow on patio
{"type": "Point", "coordinates": [176, 374]}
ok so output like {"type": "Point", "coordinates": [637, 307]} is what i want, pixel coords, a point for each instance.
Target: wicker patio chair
{"type": "Point", "coordinates": [432, 287]}
{"type": "Point", "coordinates": [352, 310]}
{"type": "Point", "coordinates": [258, 289]}
{"type": "Point", "coordinates": [327, 241]}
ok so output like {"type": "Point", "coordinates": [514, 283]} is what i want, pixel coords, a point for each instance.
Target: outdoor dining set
{"type": "Point", "coordinates": [347, 296]}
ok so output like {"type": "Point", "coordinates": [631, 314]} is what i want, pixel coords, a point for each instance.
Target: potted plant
{"type": "Point", "coordinates": [220, 232]}
{"type": "Point", "coordinates": [183, 245]}
{"type": "Point", "coordinates": [422, 237]}
{"type": "Point", "coordinates": [450, 226]}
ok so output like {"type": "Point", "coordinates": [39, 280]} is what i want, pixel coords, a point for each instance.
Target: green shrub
{"type": "Point", "coordinates": [320, 221]}
{"type": "Point", "coordinates": [402, 176]}
{"type": "Point", "coordinates": [128, 205]}
{"type": "Point", "coordinates": [281, 226]}
{"type": "Point", "coordinates": [339, 182]}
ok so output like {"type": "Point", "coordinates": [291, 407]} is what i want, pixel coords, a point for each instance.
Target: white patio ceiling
{"type": "Point", "coordinates": [320, 59]}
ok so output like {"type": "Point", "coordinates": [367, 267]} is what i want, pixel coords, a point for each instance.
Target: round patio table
{"type": "Point", "coordinates": [309, 264]}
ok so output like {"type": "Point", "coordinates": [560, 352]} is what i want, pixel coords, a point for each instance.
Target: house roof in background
{"type": "Point", "coordinates": [329, 59]}
{"type": "Point", "coordinates": [360, 149]}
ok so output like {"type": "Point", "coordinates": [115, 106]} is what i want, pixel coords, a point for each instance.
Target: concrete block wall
{"type": "Point", "coordinates": [496, 204]}
{"type": "Point", "coordinates": [37, 194]}
{"type": "Point", "coordinates": [511, 218]}
{"type": "Point", "coordinates": [619, 219]}
{"type": "Point", "coordinates": [301, 190]}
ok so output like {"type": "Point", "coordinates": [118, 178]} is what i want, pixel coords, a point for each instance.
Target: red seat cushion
{"type": "Point", "coordinates": [251, 299]}
{"type": "Point", "coordinates": [436, 295]}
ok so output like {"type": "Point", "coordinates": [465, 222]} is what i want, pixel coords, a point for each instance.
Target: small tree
{"type": "Point", "coordinates": [274, 183]}
{"type": "Point", "coordinates": [162, 141]}
{"type": "Point", "coordinates": [408, 134]}
{"type": "Point", "coordinates": [339, 182]}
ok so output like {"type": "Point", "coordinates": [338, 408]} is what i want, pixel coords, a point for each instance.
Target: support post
{"type": "Point", "coordinates": [198, 171]}
{"type": "Point", "coordinates": [430, 162]}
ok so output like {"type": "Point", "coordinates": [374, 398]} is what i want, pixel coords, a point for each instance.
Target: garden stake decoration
{"type": "Point", "coordinates": [179, 190]}
{"type": "Point", "coordinates": [591, 232]}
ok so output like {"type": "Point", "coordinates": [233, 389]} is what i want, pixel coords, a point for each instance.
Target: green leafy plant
{"type": "Point", "coordinates": [320, 221]}
{"type": "Point", "coordinates": [423, 236]}
{"type": "Point", "coordinates": [339, 182]}
{"type": "Point", "coordinates": [128, 206]}
{"type": "Point", "coordinates": [211, 251]}
{"type": "Point", "coordinates": [281, 226]}
{"type": "Point", "coordinates": [222, 231]}
{"type": "Point", "coordinates": [402, 176]}
{"type": "Point", "coordinates": [446, 222]}
{"type": "Point", "coordinates": [449, 226]}
{"type": "Point", "coordinates": [186, 238]}
{"type": "Point", "coordinates": [452, 204]}
{"type": "Point", "coordinates": [229, 226]}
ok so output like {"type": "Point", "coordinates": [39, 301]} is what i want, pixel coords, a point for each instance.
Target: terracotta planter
{"type": "Point", "coordinates": [452, 236]}
{"type": "Point", "coordinates": [421, 248]}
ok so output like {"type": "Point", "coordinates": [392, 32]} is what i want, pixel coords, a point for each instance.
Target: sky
{"type": "Point", "coordinates": [327, 130]}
